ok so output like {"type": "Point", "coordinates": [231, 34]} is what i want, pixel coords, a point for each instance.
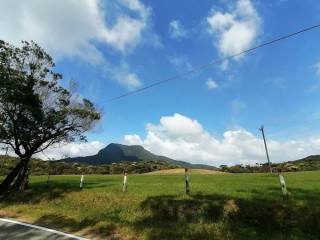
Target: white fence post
{"type": "Point", "coordinates": [81, 182]}
{"type": "Point", "coordinates": [125, 178]}
{"type": "Point", "coordinates": [283, 184]}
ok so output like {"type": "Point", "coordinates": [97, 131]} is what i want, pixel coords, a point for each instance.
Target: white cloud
{"type": "Point", "coordinates": [68, 28]}
{"type": "Point", "coordinates": [235, 31]}
{"type": "Point", "coordinates": [182, 138]}
{"type": "Point", "coordinates": [124, 77]}
{"type": "Point", "coordinates": [133, 139]}
{"type": "Point", "coordinates": [211, 84]}
{"type": "Point", "coordinates": [63, 150]}
{"type": "Point", "coordinates": [126, 32]}
{"type": "Point", "coordinates": [135, 5]}
{"type": "Point", "coordinates": [176, 30]}
{"type": "Point", "coordinates": [71, 29]}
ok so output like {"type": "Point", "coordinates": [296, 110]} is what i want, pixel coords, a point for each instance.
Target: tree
{"type": "Point", "coordinates": [224, 168]}
{"type": "Point", "coordinates": [35, 111]}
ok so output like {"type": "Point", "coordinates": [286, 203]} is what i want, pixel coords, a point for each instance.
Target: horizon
{"type": "Point", "coordinates": [178, 160]}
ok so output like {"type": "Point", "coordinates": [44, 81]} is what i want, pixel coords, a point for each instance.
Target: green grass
{"type": "Point", "coordinates": [232, 206]}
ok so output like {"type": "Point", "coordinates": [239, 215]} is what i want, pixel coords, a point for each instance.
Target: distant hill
{"type": "Point", "coordinates": [311, 163]}
{"type": "Point", "coordinates": [115, 153]}
{"type": "Point", "coordinates": [305, 164]}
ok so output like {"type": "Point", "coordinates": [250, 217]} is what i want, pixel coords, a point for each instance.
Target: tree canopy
{"type": "Point", "coordinates": [35, 111]}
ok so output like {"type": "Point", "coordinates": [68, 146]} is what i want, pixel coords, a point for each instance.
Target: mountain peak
{"type": "Point", "coordinates": [115, 152]}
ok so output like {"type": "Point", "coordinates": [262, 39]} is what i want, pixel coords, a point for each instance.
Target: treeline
{"type": "Point", "coordinates": [310, 163]}
{"type": "Point", "coordinates": [40, 167]}
{"type": "Point", "coordinates": [239, 168]}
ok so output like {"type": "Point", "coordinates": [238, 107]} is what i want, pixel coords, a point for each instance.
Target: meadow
{"type": "Point", "coordinates": [222, 206]}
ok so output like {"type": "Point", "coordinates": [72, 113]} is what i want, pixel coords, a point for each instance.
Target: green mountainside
{"type": "Point", "coordinates": [305, 164]}
{"type": "Point", "coordinates": [310, 163]}
{"type": "Point", "coordinates": [115, 153]}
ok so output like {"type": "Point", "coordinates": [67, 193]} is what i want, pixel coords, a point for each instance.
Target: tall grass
{"type": "Point", "coordinates": [233, 206]}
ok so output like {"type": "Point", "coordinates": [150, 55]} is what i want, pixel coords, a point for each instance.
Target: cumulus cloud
{"type": "Point", "coordinates": [133, 139]}
{"type": "Point", "coordinates": [72, 28]}
{"type": "Point", "coordinates": [68, 28]}
{"type": "Point", "coordinates": [235, 31]}
{"type": "Point", "coordinates": [126, 32]}
{"type": "Point", "coordinates": [211, 84]}
{"type": "Point", "coordinates": [176, 30]}
{"type": "Point", "coordinates": [63, 150]}
{"type": "Point", "coordinates": [183, 138]}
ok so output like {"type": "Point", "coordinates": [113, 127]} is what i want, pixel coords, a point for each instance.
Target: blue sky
{"type": "Point", "coordinates": [211, 116]}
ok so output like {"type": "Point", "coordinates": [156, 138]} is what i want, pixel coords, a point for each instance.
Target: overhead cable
{"type": "Point", "coordinates": [210, 64]}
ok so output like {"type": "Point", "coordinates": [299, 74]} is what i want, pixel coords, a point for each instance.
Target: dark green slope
{"type": "Point", "coordinates": [305, 164]}
{"type": "Point", "coordinates": [115, 153]}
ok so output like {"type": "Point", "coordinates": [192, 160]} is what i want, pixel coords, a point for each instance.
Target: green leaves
{"type": "Point", "coordinates": [34, 109]}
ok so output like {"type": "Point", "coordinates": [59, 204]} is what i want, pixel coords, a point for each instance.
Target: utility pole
{"type": "Point", "coordinates": [265, 145]}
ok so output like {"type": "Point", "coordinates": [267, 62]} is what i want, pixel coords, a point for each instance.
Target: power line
{"type": "Point", "coordinates": [210, 64]}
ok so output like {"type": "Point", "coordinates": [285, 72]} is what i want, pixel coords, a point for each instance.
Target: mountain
{"type": "Point", "coordinates": [115, 153]}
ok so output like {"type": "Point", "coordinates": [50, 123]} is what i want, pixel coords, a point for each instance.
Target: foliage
{"type": "Point", "coordinates": [306, 164]}
{"type": "Point", "coordinates": [230, 206]}
{"type": "Point", "coordinates": [35, 111]}
{"type": "Point", "coordinates": [311, 163]}
{"type": "Point", "coordinates": [40, 167]}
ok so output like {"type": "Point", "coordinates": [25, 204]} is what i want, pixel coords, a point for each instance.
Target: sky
{"type": "Point", "coordinates": [212, 116]}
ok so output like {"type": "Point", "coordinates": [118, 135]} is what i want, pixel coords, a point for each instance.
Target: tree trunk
{"type": "Point", "coordinates": [22, 181]}
{"type": "Point", "coordinates": [19, 174]}
{"type": "Point", "coordinates": [5, 185]}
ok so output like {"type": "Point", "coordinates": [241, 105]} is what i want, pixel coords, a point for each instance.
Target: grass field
{"type": "Point", "coordinates": [230, 206]}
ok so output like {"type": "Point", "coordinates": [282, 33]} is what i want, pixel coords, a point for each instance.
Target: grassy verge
{"type": "Point", "coordinates": [231, 206]}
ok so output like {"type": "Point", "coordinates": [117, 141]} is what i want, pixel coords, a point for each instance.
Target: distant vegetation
{"type": "Point", "coordinates": [40, 167]}
{"type": "Point", "coordinates": [310, 163]}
